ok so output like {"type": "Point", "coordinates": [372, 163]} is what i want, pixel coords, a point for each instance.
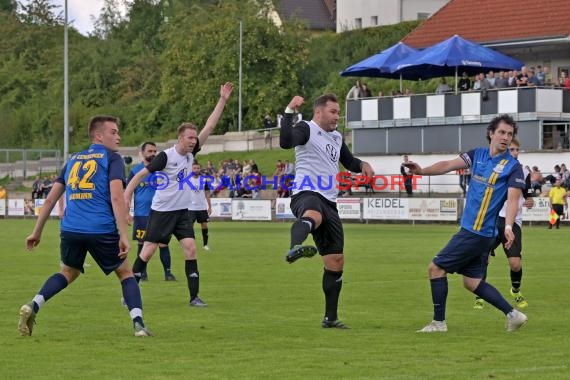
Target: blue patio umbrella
{"type": "Point", "coordinates": [449, 57]}
{"type": "Point", "coordinates": [378, 65]}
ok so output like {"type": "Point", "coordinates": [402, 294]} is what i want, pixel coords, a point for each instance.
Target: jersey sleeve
{"type": "Point", "coordinates": [158, 163]}
{"type": "Point", "coordinates": [468, 157]}
{"type": "Point", "coordinates": [116, 167]}
{"type": "Point", "coordinates": [348, 160]}
{"type": "Point", "coordinates": [197, 148]}
{"type": "Point", "coordinates": [290, 136]}
{"type": "Point", "coordinates": [516, 178]}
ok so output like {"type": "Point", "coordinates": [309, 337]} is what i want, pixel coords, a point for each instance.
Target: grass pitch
{"type": "Point", "coordinates": [263, 318]}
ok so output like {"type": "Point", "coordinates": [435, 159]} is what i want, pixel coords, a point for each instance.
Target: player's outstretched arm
{"type": "Point", "coordinates": [225, 92]}
{"type": "Point", "coordinates": [441, 167]}
{"type": "Point", "coordinates": [55, 193]}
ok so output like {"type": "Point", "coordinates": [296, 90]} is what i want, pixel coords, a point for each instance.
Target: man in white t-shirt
{"type": "Point", "coordinates": [171, 170]}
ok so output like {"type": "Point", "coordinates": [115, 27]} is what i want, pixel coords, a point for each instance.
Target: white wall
{"type": "Point", "coordinates": [387, 12]}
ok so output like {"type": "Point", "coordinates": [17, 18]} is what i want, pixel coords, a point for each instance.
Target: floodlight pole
{"type": "Point", "coordinates": [240, 74]}
{"type": "Point", "coordinates": [65, 89]}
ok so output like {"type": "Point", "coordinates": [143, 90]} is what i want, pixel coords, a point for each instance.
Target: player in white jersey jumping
{"type": "Point", "coordinates": [200, 205]}
{"type": "Point", "coordinates": [319, 148]}
{"type": "Point", "coordinates": [169, 210]}
{"type": "Point", "coordinates": [514, 253]}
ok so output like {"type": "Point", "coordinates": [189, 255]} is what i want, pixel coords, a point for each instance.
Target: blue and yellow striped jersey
{"type": "Point", "coordinates": [491, 178]}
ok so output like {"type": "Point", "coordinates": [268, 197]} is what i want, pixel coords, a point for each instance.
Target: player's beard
{"type": "Point", "coordinates": [149, 158]}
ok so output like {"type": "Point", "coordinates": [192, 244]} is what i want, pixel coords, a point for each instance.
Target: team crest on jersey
{"type": "Point", "coordinates": [499, 168]}
{"type": "Point", "coordinates": [332, 152]}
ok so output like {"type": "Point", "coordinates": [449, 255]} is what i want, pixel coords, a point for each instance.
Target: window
{"type": "Point", "coordinates": [374, 20]}
{"type": "Point", "coordinates": [358, 23]}
{"type": "Point", "coordinates": [423, 15]}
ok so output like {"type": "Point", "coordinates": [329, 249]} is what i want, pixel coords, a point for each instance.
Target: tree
{"type": "Point", "coordinates": [41, 12]}
{"type": "Point", "coordinates": [8, 6]}
{"type": "Point", "coordinates": [202, 52]}
{"type": "Point", "coordinates": [109, 20]}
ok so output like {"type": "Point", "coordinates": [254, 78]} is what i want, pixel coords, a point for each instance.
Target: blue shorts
{"type": "Point", "coordinates": [104, 248]}
{"type": "Point", "coordinates": [466, 254]}
{"type": "Point", "coordinates": [139, 227]}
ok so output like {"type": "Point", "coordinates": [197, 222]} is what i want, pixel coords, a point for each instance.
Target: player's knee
{"type": "Point", "coordinates": [435, 271]}
{"type": "Point", "coordinates": [334, 262]}
{"type": "Point", "coordinates": [69, 273]}
{"type": "Point", "coordinates": [315, 216]}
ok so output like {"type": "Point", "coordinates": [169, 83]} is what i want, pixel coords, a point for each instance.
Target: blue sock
{"type": "Point", "coordinates": [52, 286]}
{"type": "Point", "coordinates": [439, 296]}
{"type": "Point", "coordinates": [492, 295]}
{"type": "Point", "coordinates": [165, 259]}
{"type": "Point", "coordinates": [132, 296]}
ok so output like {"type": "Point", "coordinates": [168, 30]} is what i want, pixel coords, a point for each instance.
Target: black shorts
{"type": "Point", "coordinates": [104, 248]}
{"type": "Point", "coordinates": [329, 237]}
{"type": "Point", "coordinates": [516, 248]}
{"type": "Point", "coordinates": [201, 216]}
{"type": "Point", "coordinates": [139, 228]}
{"type": "Point", "coordinates": [559, 209]}
{"type": "Point", "coordinates": [163, 224]}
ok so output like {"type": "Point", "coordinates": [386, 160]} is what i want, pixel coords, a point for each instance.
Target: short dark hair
{"type": "Point", "coordinates": [184, 126]}
{"type": "Point", "coordinates": [494, 124]}
{"type": "Point", "coordinates": [97, 122]}
{"type": "Point", "coordinates": [196, 163]}
{"type": "Point", "coordinates": [144, 145]}
{"type": "Point", "coordinates": [515, 141]}
{"type": "Point", "coordinates": [322, 100]}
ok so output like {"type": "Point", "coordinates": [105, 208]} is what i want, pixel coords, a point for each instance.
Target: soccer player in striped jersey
{"type": "Point", "coordinates": [496, 176]}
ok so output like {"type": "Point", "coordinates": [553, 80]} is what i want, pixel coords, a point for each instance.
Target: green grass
{"type": "Point", "coordinates": [263, 318]}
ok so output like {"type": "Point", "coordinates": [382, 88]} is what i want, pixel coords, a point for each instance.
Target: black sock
{"type": "Point", "coordinates": [516, 278]}
{"type": "Point", "coordinates": [332, 284]}
{"type": "Point", "coordinates": [165, 259]}
{"type": "Point", "coordinates": [193, 277]}
{"type": "Point", "coordinates": [300, 230]}
{"type": "Point", "coordinates": [205, 235]}
{"type": "Point", "coordinates": [139, 267]}
{"type": "Point", "coordinates": [439, 290]}
{"type": "Point", "coordinates": [139, 249]}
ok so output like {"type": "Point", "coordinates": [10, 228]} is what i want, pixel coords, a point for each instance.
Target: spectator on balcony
{"type": "Point", "coordinates": [540, 75]}
{"type": "Point", "coordinates": [532, 80]}
{"type": "Point", "coordinates": [564, 79]}
{"type": "Point", "coordinates": [502, 81]}
{"type": "Point", "coordinates": [464, 83]}
{"type": "Point", "coordinates": [512, 79]}
{"type": "Point", "coordinates": [547, 76]}
{"type": "Point", "coordinates": [354, 92]}
{"type": "Point", "coordinates": [522, 78]}
{"type": "Point", "coordinates": [365, 91]}
{"type": "Point", "coordinates": [491, 78]}
{"type": "Point", "coordinates": [443, 87]}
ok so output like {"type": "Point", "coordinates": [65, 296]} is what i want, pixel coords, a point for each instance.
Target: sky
{"type": "Point", "coordinates": [79, 12]}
